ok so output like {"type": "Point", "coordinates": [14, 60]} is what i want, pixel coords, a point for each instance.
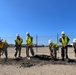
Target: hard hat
{"type": "Point", "coordinates": [74, 40]}
{"type": "Point", "coordinates": [62, 32]}
{"type": "Point", "coordinates": [27, 33]}
{"type": "Point", "coordinates": [50, 41]}
{"type": "Point", "coordinates": [17, 35]}
{"type": "Point", "coordinates": [4, 40]}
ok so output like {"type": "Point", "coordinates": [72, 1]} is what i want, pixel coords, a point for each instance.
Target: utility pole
{"type": "Point", "coordinates": [57, 38]}
{"type": "Point", "coordinates": [36, 43]}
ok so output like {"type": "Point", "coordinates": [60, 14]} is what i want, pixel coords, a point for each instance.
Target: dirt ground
{"type": "Point", "coordinates": [41, 64]}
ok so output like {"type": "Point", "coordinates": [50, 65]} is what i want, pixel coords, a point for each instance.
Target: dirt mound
{"type": "Point", "coordinates": [38, 60]}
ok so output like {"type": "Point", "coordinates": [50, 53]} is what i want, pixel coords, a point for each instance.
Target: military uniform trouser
{"type": "Point", "coordinates": [31, 50]}
{"type": "Point", "coordinates": [64, 52]}
{"type": "Point", "coordinates": [53, 51]}
{"type": "Point", "coordinates": [4, 50]}
{"type": "Point", "coordinates": [1, 49]}
{"type": "Point", "coordinates": [18, 49]}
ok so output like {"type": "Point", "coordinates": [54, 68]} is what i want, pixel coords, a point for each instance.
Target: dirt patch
{"type": "Point", "coordinates": [38, 60]}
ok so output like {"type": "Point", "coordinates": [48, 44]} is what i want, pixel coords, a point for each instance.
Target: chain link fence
{"type": "Point", "coordinates": [40, 40]}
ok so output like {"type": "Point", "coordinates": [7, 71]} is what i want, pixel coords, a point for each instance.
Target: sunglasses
{"type": "Point", "coordinates": [63, 34]}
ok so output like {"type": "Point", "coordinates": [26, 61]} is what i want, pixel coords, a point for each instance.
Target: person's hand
{"type": "Point", "coordinates": [63, 44]}
{"type": "Point", "coordinates": [66, 43]}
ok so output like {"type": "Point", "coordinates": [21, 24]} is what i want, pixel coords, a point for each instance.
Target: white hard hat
{"type": "Point", "coordinates": [50, 41]}
{"type": "Point", "coordinates": [27, 33]}
{"type": "Point", "coordinates": [62, 32]}
{"type": "Point", "coordinates": [74, 40]}
{"type": "Point", "coordinates": [17, 35]}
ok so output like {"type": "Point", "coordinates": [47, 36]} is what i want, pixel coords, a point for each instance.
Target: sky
{"type": "Point", "coordinates": [46, 18]}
